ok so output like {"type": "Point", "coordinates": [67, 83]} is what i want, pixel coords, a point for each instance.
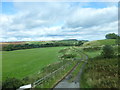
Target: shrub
{"type": "Point", "coordinates": [107, 52]}
{"type": "Point", "coordinates": [68, 56]}
{"type": "Point", "coordinates": [12, 83]}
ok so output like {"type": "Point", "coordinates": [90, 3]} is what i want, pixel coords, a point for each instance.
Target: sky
{"type": "Point", "coordinates": [39, 21]}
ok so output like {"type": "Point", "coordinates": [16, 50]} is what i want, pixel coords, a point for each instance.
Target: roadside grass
{"type": "Point", "coordinates": [100, 73]}
{"type": "Point", "coordinates": [76, 71]}
{"type": "Point", "coordinates": [23, 63]}
{"type": "Point", "coordinates": [54, 79]}
{"type": "Point", "coordinates": [47, 70]}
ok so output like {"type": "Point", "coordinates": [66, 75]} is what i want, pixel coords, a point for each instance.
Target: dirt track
{"type": "Point", "coordinates": [65, 83]}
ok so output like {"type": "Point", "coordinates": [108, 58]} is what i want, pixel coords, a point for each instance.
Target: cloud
{"type": "Point", "coordinates": [88, 17]}
{"type": "Point", "coordinates": [54, 21]}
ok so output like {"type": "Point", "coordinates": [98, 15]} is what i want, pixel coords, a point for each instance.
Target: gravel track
{"type": "Point", "coordinates": [65, 83]}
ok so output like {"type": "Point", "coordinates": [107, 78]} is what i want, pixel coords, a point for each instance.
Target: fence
{"type": "Point", "coordinates": [50, 75]}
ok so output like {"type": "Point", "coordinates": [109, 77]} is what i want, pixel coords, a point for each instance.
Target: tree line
{"type": "Point", "coordinates": [12, 47]}
{"type": "Point", "coordinates": [69, 42]}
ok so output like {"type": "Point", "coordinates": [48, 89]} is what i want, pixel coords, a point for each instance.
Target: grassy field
{"type": "Point", "coordinates": [21, 63]}
{"type": "Point", "coordinates": [93, 54]}
{"type": "Point", "coordinates": [100, 42]}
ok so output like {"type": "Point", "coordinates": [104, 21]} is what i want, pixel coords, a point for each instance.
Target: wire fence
{"type": "Point", "coordinates": [50, 75]}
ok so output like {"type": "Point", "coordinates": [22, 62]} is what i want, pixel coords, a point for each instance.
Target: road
{"type": "Point", "coordinates": [65, 83]}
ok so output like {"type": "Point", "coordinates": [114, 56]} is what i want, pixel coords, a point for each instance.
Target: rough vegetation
{"type": "Point", "coordinates": [101, 70]}
{"type": "Point", "coordinates": [100, 73]}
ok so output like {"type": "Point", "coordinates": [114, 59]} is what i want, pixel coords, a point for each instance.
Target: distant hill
{"type": "Point", "coordinates": [100, 42]}
{"type": "Point", "coordinates": [69, 40]}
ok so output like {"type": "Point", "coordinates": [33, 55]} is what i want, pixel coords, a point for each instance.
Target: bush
{"type": "Point", "coordinates": [68, 56]}
{"type": "Point", "coordinates": [12, 83]}
{"type": "Point", "coordinates": [108, 51]}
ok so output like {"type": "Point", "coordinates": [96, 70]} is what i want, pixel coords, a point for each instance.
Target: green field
{"type": "Point", "coordinates": [22, 63]}
{"type": "Point", "coordinates": [93, 54]}
{"type": "Point", "coordinates": [100, 42]}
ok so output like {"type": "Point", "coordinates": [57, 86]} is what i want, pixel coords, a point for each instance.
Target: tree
{"type": "Point", "coordinates": [80, 43]}
{"type": "Point", "coordinates": [108, 51]}
{"type": "Point", "coordinates": [8, 47]}
{"type": "Point", "coordinates": [111, 36]}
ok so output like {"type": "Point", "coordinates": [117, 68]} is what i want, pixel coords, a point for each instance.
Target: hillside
{"type": "Point", "coordinates": [100, 42]}
{"type": "Point", "coordinates": [100, 72]}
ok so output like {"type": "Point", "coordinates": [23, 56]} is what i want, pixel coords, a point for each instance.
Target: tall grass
{"type": "Point", "coordinates": [100, 73]}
